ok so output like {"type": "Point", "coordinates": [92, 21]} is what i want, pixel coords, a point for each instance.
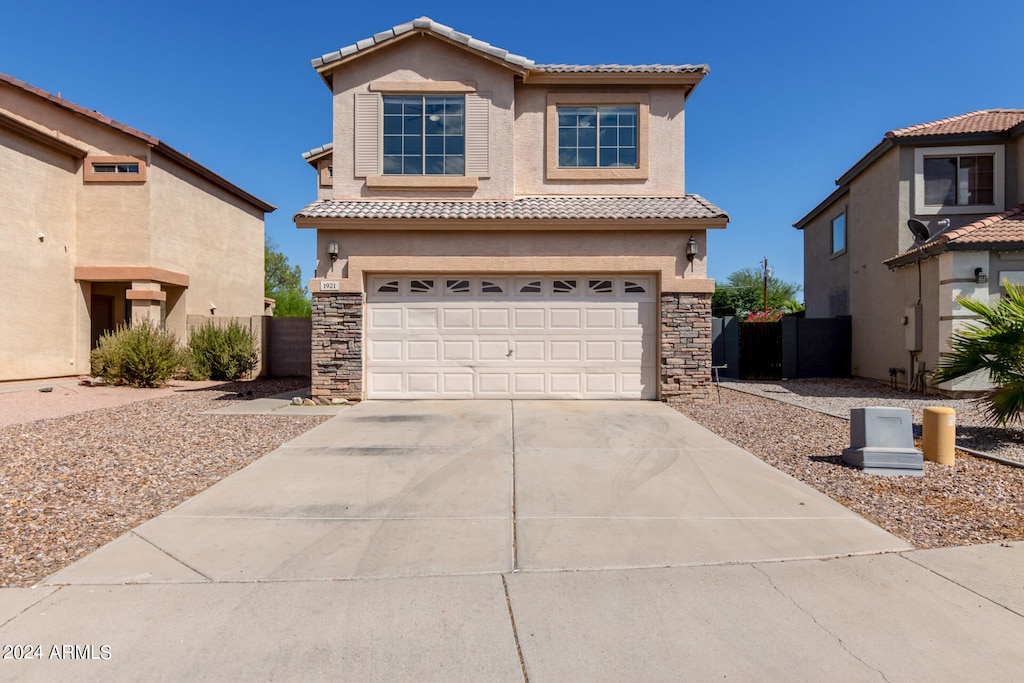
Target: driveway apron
{"type": "Point", "coordinates": [431, 488]}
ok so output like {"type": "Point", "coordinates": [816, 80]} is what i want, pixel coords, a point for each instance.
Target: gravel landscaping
{"type": "Point", "coordinates": [72, 483]}
{"type": "Point", "coordinates": [795, 426]}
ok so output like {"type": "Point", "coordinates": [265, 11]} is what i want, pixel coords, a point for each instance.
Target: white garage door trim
{"type": "Point", "coordinates": [455, 336]}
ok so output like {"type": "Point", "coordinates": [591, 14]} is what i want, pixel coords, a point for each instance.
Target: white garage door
{"type": "Point", "coordinates": [511, 337]}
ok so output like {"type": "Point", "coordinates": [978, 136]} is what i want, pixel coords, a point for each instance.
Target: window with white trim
{"type": "Point", "coordinates": [967, 179]}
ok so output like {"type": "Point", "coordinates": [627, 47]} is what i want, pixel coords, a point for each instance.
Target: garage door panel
{"type": "Point", "coordinates": [565, 318]}
{"type": "Point", "coordinates": [565, 351]}
{"type": "Point", "coordinates": [457, 384]}
{"type": "Point", "coordinates": [605, 350]}
{"type": "Point", "coordinates": [381, 350]}
{"type": "Point", "coordinates": [386, 319]}
{"type": "Point", "coordinates": [565, 383]}
{"type": "Point", "coordinates": [493, 384]}
{"type": "Point", "coordinates": [529, 383]}
{"type": "Point", "coordinates": [423, 383]}
{"type": "Point", "coordinates": [457, 319]}
{"type": "Point", "coordinates": [423, 318]}
{"type": "Point", "coordinates": [528, 351]}
{"type": "Point", "coordinates": [539, 338]}
{"type": "Point", "coordinates": [494, 319]}
{"type": "Point", "coordinates": [531, 318]}
{"type": "Point", "coordinates": [457, 350]}
{"type": "Point", "coordinates": [419, 349]}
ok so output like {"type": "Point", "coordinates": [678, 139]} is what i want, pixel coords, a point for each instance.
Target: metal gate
{"type": "Point", "coordinates": [761, 350]}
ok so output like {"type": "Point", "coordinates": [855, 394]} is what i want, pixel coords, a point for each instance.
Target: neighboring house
{"type": "Point", "coordinates": [102, 224]}
{"type": "Point", "coordinates": [488, 227]}
{"type": "Point", "coordinates": [962, 180]}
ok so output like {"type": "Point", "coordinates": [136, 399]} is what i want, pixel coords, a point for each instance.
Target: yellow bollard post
{"type": "Point", "coordinates": [938, 435]}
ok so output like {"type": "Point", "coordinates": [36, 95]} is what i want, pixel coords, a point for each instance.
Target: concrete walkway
{"type": "Point", "coordinates": [497, 540]}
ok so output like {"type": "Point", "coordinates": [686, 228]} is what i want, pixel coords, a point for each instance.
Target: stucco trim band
{"type": "Point", "coordinates": [145, 295]}
{"type": "Point", "coordinates": [424, 182]}
{"type": "Point", "coordinates": [419, 87]}
{"type": "Point", "coordinates": [123, 273]}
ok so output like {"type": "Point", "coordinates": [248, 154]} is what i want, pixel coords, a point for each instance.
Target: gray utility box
{"type": "Point", "coordinates": [882, 442]}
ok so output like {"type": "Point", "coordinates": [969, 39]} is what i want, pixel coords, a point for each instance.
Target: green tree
{"type": "Point", "coordinates": [995, 345]}
{"type": "Point", "coordinates": [743, 292]}
{"type": "Point", "coordinates": [283, 283]}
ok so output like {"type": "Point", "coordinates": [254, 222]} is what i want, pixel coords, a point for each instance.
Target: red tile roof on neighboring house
{"type": "Point", "coordinates": [984, 121]}
{"type": "Point", "coordinates": [527, 208]}
{"type": "Point", "coordinates": [163, 147]}
{"type": "Point", "coordinates": [1001, 231]}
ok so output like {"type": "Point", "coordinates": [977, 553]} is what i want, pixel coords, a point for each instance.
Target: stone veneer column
{"type": "Point", "coordinates": [685, 347]}
{"type": "Point", "coordinates": [337, 360]}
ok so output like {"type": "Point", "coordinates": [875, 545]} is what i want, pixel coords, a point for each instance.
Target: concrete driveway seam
{"type": "Point", "coordinates": [515, 630]}
{"type": "Point", "coordinates": [135, 533]}
{"type": "Point", "coordinates": [814, 619]}
{"type": "Point", "coordinates": [956, 582]}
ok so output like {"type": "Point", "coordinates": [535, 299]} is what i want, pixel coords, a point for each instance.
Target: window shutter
{"type": "Point", "coordinates": [477, 142]}
{"type": "Point", "coordinates": [367, 134]}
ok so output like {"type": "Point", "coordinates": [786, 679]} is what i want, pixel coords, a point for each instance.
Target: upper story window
{"type": "Point", "coordinates": [958, 180]}
{"type": "Point", "coordinates": [421, 135]}
{"type": "Point", "coordinates": [597, 136]}
{"type": "Point", "coordinates": [424, 135]}
{"type": "Point", "coordinates": [117, 169]}
{"type": "Point", "coordinates": [839, 234]}
{"type": "Point", "coordinates": [966, 179]}
{"type": "Point", "coordinates": [603, 136]}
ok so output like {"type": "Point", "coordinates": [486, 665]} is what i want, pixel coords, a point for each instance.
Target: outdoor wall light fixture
{"type": "Point", "coordinates": [332, 250]}
{"type": "Point", "coordinates": [691, 249]}
{"type": "Point", "coordinates": [979, 276]}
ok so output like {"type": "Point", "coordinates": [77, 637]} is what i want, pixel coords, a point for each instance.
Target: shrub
{"type": "Point", "coordinates": [142, 355]}
{"type": "Point", "coordinates": [216, 352]}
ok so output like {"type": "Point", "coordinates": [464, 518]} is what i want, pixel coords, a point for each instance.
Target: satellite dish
{"type": "Point", "coordinates": [919, 229]}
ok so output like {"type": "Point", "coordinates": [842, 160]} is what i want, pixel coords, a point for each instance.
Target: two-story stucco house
{"type": "Point", "coordinates": [488, 227]}
{"type": "Point", "coordinates": [102, 224]}
{"type": "Point", "coordinates": [931, 213]}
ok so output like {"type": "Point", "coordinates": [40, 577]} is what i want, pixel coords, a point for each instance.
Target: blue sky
{"type": "Point", "coordinates": [798, 91]}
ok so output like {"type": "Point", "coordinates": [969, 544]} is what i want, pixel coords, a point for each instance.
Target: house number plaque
{"type": "Point", "coordinates": [328, 286]}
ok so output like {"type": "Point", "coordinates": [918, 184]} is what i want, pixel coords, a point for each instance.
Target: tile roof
{"type": "Point", "coordinates": [984, 121]}
{"type": "Point", "coordinates": [317, 151]}
{"type": "Point", "coordinates": [1001, 231]}
{"type": "Point", "coordinates": [426, 25]}
{"type": "Point", "coordinates": [622, 68]}
{"type": "Point", "coordinates": [527, 208]}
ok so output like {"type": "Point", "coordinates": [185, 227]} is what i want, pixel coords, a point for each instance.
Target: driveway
{"type": "Point", "coordinates": [522, 541]}
{"type": "Point", "coordinates": [432, 488]}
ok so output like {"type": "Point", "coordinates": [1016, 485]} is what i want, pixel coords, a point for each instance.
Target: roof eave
{"type": "Point", "coordinates": [684, 78]}
{"type": "Point", "coordinates": [41, 135]}
{"type": "Point", "coordinates": [821, 207]}
{"type": "Point", "coordinates": [602, 224]}
{"type": "Point", "coordinates": [326, 67]}
{"type": "Point", "coordinates": [206, 173]}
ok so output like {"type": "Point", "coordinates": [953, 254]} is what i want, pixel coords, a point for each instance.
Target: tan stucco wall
{"type": "Point", "coordinates": [542, 251]}
{"type": "Point", "coordinates": [666, 176]}
{"type": "Point", "coordinates": [39, 307]}
{"type": "Point", "coordinates": [826, 277]}
{"type": "Point", "coordinates": [420, 58]}
{"type": "Point", "coordinates": [175, 221]}
{"type": "Point", "coordinates": [878, 296]}
{"type": "Point", "coordinates": [216, 239]}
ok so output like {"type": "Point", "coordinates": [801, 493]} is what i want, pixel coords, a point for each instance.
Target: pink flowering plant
{"type": "Point", "coordinates": [769, 316]}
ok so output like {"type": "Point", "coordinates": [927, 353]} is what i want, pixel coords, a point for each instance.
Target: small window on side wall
{"type": "Point", "coordinates": [839, 234]}
{"type": "Point", "coordinates": [115, 169]}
